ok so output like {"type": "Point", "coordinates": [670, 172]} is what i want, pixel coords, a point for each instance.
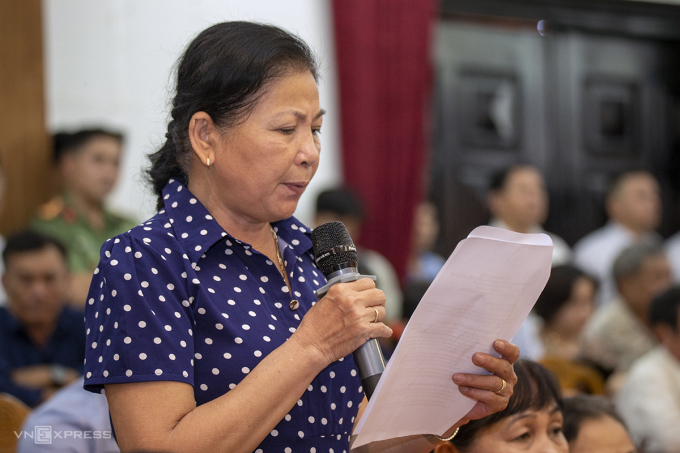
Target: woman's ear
{"type": "Point", "coordinates": [445, 447]}
{"type": "Point", "coordinates": [203, 135]}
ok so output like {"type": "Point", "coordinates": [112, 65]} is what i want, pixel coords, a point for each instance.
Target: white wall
{"type": "Point", "coordinates": [110, 63]}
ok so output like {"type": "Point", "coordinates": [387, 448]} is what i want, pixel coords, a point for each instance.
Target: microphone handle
{"type": "Point", "coordinates": [371, 364]}
{"type": "Point", "coordinates": [368, 358]}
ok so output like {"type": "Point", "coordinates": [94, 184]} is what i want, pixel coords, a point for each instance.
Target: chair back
{"type": "Point", "coordinates": [13, 413]}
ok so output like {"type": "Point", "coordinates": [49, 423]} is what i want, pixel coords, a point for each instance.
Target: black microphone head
{"type": "Point", "coordinates": [333, 248]}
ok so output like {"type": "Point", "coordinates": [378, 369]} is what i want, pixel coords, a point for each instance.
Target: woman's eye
{"type": "Point", "coordinates": [316, 131]}
{"type": "Point", "coordinates": [523, 437]}
{"type": "Point", "coordinates": [287, 130]}
{"type": "Point", "coordinates": [557, 431]}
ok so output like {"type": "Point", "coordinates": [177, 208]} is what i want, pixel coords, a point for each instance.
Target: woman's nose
{"type": "Point", "coordinates": [308, 154]}
{"type": "Point", "coordinates": [548, 445]}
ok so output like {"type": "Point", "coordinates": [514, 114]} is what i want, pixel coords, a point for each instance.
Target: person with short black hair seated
{"type": "Point", "coordinates": [564, 306]}
{"type": "Point", "coordinates": [344, 205]}
{"type": "Point", "coordinates": [649, 401]}
{"type": "Point", "coordinates": [518, 201]}
{"type": "Point", "coordinates": [532, 421]}
{"type": "Point", "coordinates": [591, 425]}
{"type": "Point", "coordinates": [42, 342]}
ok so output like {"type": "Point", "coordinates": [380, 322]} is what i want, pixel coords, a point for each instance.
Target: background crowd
{"type": "Point", "coordinates": [606, 324]}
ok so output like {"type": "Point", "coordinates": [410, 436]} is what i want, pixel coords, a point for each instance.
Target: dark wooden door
{"type": "Point", "coordinates": [578, 105]}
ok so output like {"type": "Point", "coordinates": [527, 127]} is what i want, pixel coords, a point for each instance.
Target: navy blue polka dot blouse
{"type": "Point", "coordinates": [179, 299]}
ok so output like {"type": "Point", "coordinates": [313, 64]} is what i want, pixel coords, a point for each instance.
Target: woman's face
{"type": "Point", "coordinates": [263, 165]}
{"type": "Point", "coordinates": [535, 431]}
{"type": "Point", "coordinates": [573, 315]}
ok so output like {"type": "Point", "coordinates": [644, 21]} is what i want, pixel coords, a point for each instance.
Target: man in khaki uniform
{"type": "Point", "coordinates": [88, 162]}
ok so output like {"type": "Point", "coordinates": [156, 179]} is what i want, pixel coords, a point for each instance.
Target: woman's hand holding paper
{"type": "Point", "coordinates": [489, 391]}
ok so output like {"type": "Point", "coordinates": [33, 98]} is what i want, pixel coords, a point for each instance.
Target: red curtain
{"type": "Point", "coordinates": [383, 52]}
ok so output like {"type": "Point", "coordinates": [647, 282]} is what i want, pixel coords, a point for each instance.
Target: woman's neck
{"type": "Point", "coordinates": [255, 232]}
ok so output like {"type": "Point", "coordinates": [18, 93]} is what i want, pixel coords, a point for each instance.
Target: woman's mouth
{"type": "Point", "coordinates": [296, 188]}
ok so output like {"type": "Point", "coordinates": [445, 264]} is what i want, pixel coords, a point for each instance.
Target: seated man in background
{"type": "Point", "coordinates": [518, 202]}
{"type": "Point", "coordinates": [634, 209]}
{"type": "Point", "coordinates": [42, 342]}
{"type": "Point", "coordinates": [88, 163]}
{"type": "Point", "coordinates": [650, 398]}
{"type": "Point", "coordinates": [591, 425]}
{"type": "Point", "coordinates": [618, 333]}
{"type": "Point", "coordinates": [344, 205]}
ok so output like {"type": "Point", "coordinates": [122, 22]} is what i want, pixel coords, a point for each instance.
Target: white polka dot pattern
{"type": "Point", "coordinates": [211, 308]}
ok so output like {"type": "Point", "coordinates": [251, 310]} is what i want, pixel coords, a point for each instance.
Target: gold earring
{"type": "Point", "coordinates": [207, 161]}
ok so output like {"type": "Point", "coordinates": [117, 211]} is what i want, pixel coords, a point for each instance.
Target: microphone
{"type": "Point", "coordinates": [336, 257]}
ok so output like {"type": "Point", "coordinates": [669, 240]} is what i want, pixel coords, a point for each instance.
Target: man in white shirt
{"type": "Point", "coordinates": [618, 333]}
{"type": "Point", "coordinates": [650, 399]}
{"type": "Point", "coordinates": [634, 208]}
{"type": "Point", "coordinates": [518, 202]}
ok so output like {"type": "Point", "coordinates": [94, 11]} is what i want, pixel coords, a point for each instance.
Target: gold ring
{"type": "Point", "coordinates": [378, 314]}
{"type": "Point", "coordinates": [498, 392]}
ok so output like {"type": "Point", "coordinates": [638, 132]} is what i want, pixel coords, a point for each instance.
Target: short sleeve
{"type": "Point", "coordinates": [138, 315]}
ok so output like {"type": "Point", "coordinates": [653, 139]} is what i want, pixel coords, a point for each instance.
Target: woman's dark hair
{"type": "Point", "coordinates": [223, 73]}
{"type": "Point", "coordinates": [69, 142]}
{"type": "Point", "coordinates": [536, 389]}
{"type": "Point", "coordinates": [578, 409]}
{"type": "Point", "coordinates": [558, 290]}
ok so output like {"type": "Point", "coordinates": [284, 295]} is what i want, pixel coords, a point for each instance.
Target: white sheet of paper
{"type": "Point", "coordinates": [484, 292]}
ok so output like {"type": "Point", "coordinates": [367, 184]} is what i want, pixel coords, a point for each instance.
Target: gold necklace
{"type": "Point", "coordinates": [294, 304]}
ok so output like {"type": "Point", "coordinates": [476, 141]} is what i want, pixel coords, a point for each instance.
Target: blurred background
{"type": "Point", "coordinates": [556, 116]}
{"type": "Point", "coordinates": [579, 89]}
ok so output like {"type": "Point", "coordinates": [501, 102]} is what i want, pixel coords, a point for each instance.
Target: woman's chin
{"type": "Point", "coordinates": [283, 211]}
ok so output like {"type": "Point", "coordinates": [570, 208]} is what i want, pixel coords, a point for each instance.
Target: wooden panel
{"type": "Point", "coordinates": [24, 143]}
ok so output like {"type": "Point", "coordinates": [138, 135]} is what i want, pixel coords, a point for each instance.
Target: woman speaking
{"type": "Point", "coordinates": [202, 324]}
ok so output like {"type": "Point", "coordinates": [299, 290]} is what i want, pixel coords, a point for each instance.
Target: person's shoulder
{"type": "Point", "coordinates": [151, 241]}
{"type": "Point", "coordinates": [557, 240]}
{"type": "Point", "coordinates": [73, 319]}
{"type": "Point", "coordinates": [6, 319]}
{"type": "Point", "coordinates": [648, 367]}
{"type": "Point", "coordinates": [156, 233]}
{"type": "Point", "coordinates": [70, 403]}
{"type": "Point", "coordinates": [119, 221]}
{"type": "Point", "coordinates": [591, 239]}
{"type": "Point", "coordinates": [55, 213]}
{"type": "Point", "coordinates": [672, 244]}
{"type": "Point", "coordinates": [375, 256]}
{"type": "Point", "coordinates": [602, 320]}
